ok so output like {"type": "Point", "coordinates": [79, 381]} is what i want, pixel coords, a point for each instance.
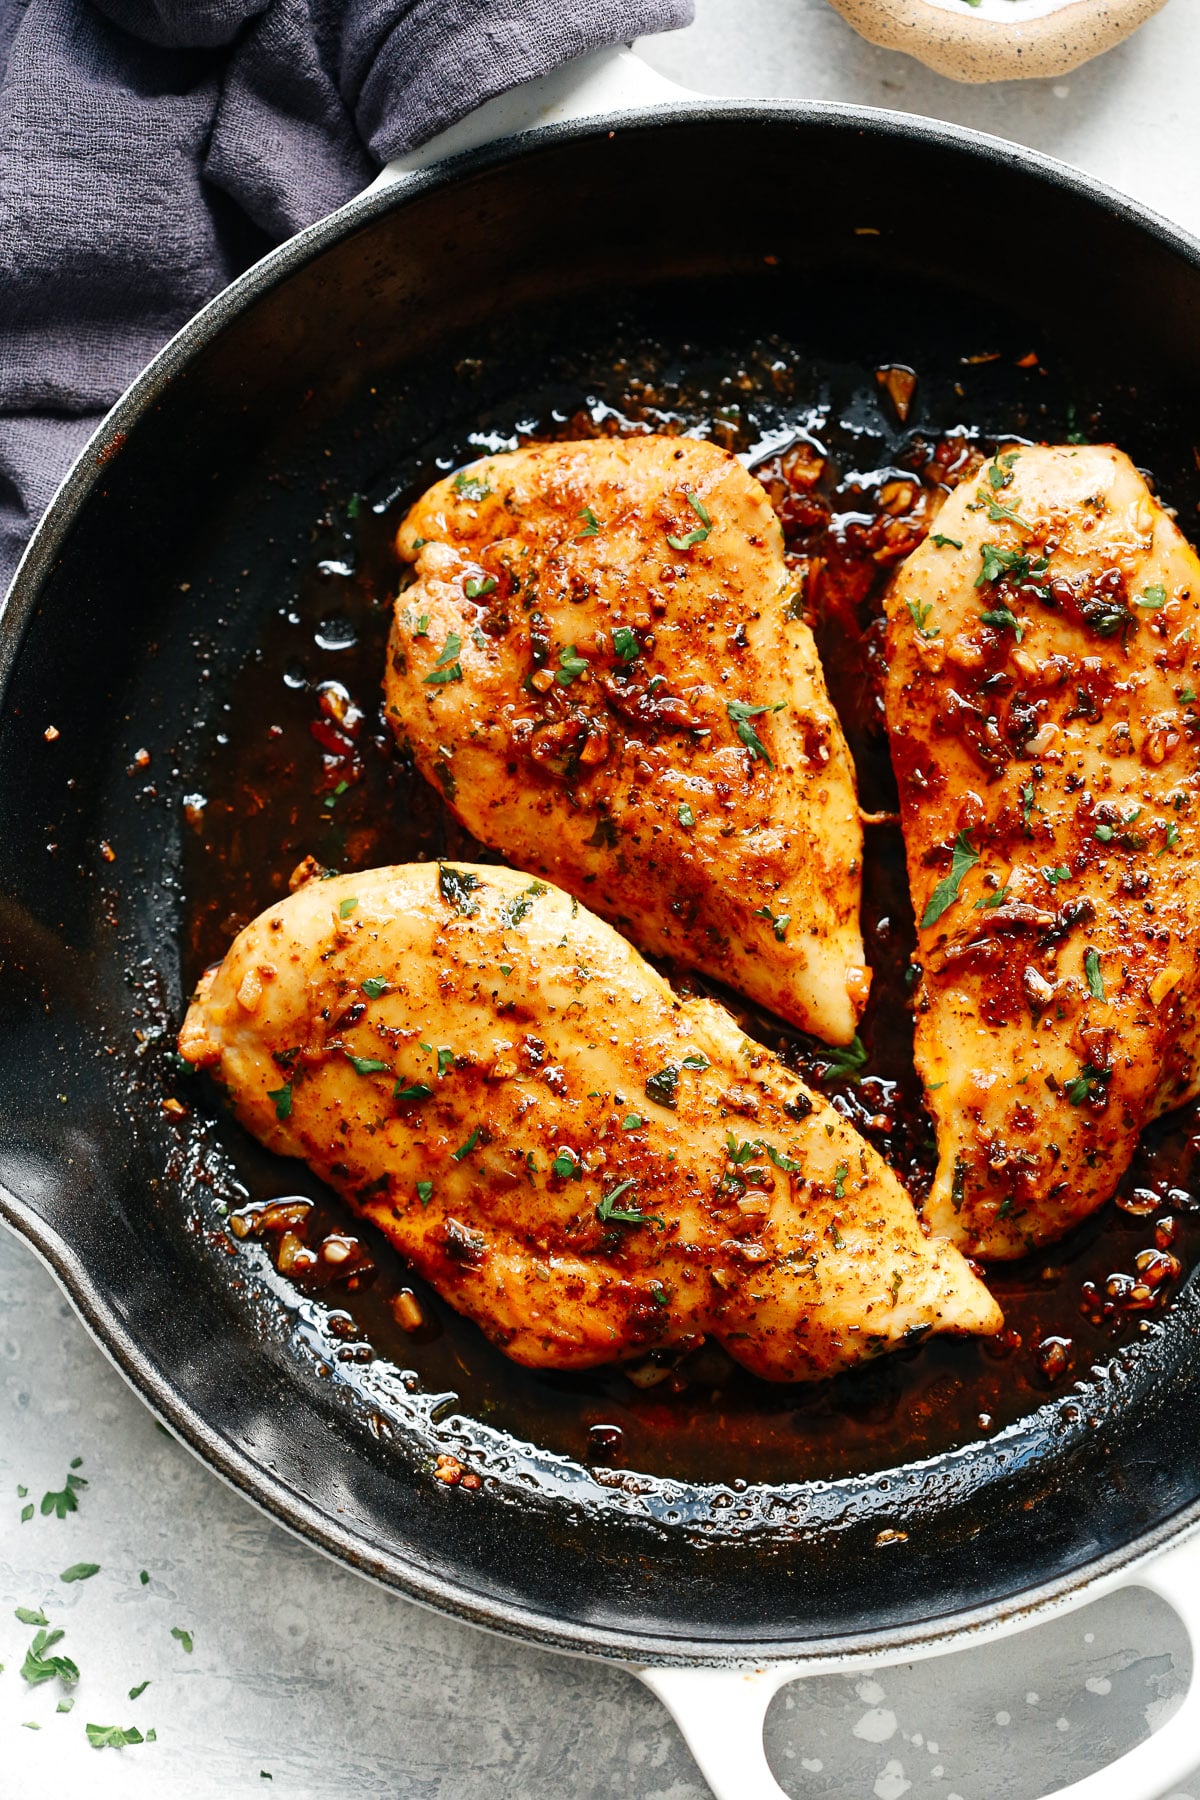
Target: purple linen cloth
{"type": "Point", "coordinates": [152, 149]}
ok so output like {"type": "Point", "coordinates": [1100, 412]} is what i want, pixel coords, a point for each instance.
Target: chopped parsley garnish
{"type": "Point", "coordinates": [331, 800]}
{"type": "Point", "coordinates": [114, 1737]}
{"type": "Point", "coordinates": [424, 1192]}
{"type": "Point", "coordinates": [40, 1666]}
{"type": "Point", "coordinates": [1152, 598]}
{"type": "Point", "coordinates": [944, 542]}
{"type": "Point", "coordinates": [64, 1501]}
{"type": "Point", "coordinates": [591, 524]}
{"type": "Point", "coordinates": [998, 562]}
{"type": "Point", "coordinates": [183, 1637]}
{"type": "Point", "coordinates": [347, 906]}
{"type": "Point", "coordinates": [699, 532]}
{"type": "Point", "coordinates": [1186, 696]}
{"type": "Point", "coordinates": [518, 908]}
{"type": "Point", "coordinates": [475, 586]}
{"type": "Point", "coordinates": [567, 1166]}
{"type": "Point", "coordinates": [283, 1100]}
{"type": "Point", "coordinates": [368, 1065]}
{"type": "Point", "coordinates": [374, 986]}
{"type": "Point", "coordinates": [570, 665]}
{"type": "Point", "coordinates": [964, 857]}
{"type": "Point", "coordinates": [1172, 838]}
{"type": "Point", "coordinates": [1001, 618]}
{"type": "Point", "coordinates": [609, 1213]}
{"type": "Point", "coordinates": [447, 668]}
{"type": "Point", "coordinates": [626, 644]}
{"type": "Point", "coordinates": [1105, 833]}
{"type": "Point", "coordinates": [780, 921]}
{"type": "Point", "coordinates": [421, 628]}
{"type": "Point", "coordinates": [662, 1087]}
{"type": "Point", "coordinates": [80, 1572]}
{"type": "Point", "coordinates": [990, 900]}
{"type": "Point", "coordinates": [1028, 804]}
{"type": "Point", "coordinates": [471, 487]}
{"type": "Point", "coordinates": [1095, 979]}
{"type": "Point", "coordinates": [741, 712]}
{"type": "Point", "coordinates": [839, 1180]}
{"type": "Point", "coordinates": [1057, 874]}
{"type": "Point", "coordinates": [740, 1153]}
{"type": "Point", "coordinates": [445, 1058]}
{"type": "Point", "coordinates": [694, 1060]}
{"type": "Point", "coordinates": [787, 1163]}
{"type": "Point", "coordinates": [466, 1149]}
{"type": "Point", "coordinates": [414, 1091]}
{"type": "Point", "coordinates": [631, 1122]}
{"type": "Point", "coordinates": [1089, 1081]}
{"type": "Point", "coordinates": [843, 1061]}
{"type": "Point", "coordinates": [687, 817]}
{"type": "Point", "coordinates": [456, 887]}
{"type": "Point", "coordinates": [918, 612]}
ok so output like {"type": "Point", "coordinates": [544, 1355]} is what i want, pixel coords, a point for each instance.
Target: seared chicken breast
{"type": "Point", "coordinates": [585, 1165]}
{"type": "Point", "coordinates": [1044, 666]}
{"type": "Point", "coordinates": [598, 664]}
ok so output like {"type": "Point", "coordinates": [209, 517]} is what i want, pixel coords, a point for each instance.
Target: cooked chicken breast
{"type": "Point", "coordinates": [1044, 651]}
{"type": "Point", "coordinates": [580, 1162]}
{"type": "Point", "coordinates": [597, 664]}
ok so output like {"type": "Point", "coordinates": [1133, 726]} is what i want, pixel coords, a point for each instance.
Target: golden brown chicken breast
{"type": "Point", "coordinates": [582, 1163]}
{"type": "Point", "coordinates": [598, 664]}
{"type": "Point", "coordinates": [1044, 650]}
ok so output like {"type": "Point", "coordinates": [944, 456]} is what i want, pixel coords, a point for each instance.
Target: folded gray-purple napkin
{"type": "Point", "coordinates": [151, 149]}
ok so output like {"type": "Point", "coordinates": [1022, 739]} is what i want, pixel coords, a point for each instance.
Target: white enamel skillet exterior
{"type": "Point", "coordinates": [721, 1711]}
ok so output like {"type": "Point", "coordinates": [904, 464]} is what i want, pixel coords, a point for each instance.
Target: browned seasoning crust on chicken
{"type": "Point", "coordinates": [576, 1159]}
{"type": "Point", "coordinates": [598, 664]}
{"type": "Point", "coordinates": [1044, 656]}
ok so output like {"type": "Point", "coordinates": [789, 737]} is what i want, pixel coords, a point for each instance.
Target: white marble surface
{"type": "Point", "coordinates": [336, 1688]}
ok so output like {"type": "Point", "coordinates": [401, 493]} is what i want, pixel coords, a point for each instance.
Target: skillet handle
{"type": "Point", "coordinates": [721, 1711]}
{"type": "Point", "coordinates": [604, 81]}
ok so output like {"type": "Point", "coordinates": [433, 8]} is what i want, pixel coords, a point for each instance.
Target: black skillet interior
{"type": "Point", "coordinates": [359, 355]}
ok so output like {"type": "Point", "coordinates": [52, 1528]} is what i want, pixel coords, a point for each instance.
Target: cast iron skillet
{"type": "Point", "coordinates": [871, 236]}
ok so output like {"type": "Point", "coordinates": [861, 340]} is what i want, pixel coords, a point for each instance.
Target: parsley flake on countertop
{"type": "Point", "coordinates": [144, 1577]}
{"type": "Point", "coordinates": [114, 1737]}
{"type": "Point", "coordinates": [139, 1689]}
{"type": "Point", "coordinates": [39, 1666]}
{"type": "Point", "coordinates": [964, 857]}
{"type": "Point", "coordinates": [80, 1572]}
{"type": "Point", "coordinates": [31, 1615]}
{"type": "Point", "coordinates": [64, 1501]}
{"type": "Point", "coordinates": [183, 1637]}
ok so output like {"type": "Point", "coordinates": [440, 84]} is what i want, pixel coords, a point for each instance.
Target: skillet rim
{"type": "Point", "coordinates": [283, 1504]}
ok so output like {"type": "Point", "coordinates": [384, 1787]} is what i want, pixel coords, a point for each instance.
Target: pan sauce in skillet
{"type": "Point", "coordinates": [303, 764]}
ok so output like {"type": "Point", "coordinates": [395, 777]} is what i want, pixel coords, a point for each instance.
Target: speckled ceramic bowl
{"type": "Point", "coordinates": [998, 40]}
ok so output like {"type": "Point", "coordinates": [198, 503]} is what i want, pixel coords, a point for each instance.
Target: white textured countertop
{"type": "Point", "coordinates": [334, 1687]}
